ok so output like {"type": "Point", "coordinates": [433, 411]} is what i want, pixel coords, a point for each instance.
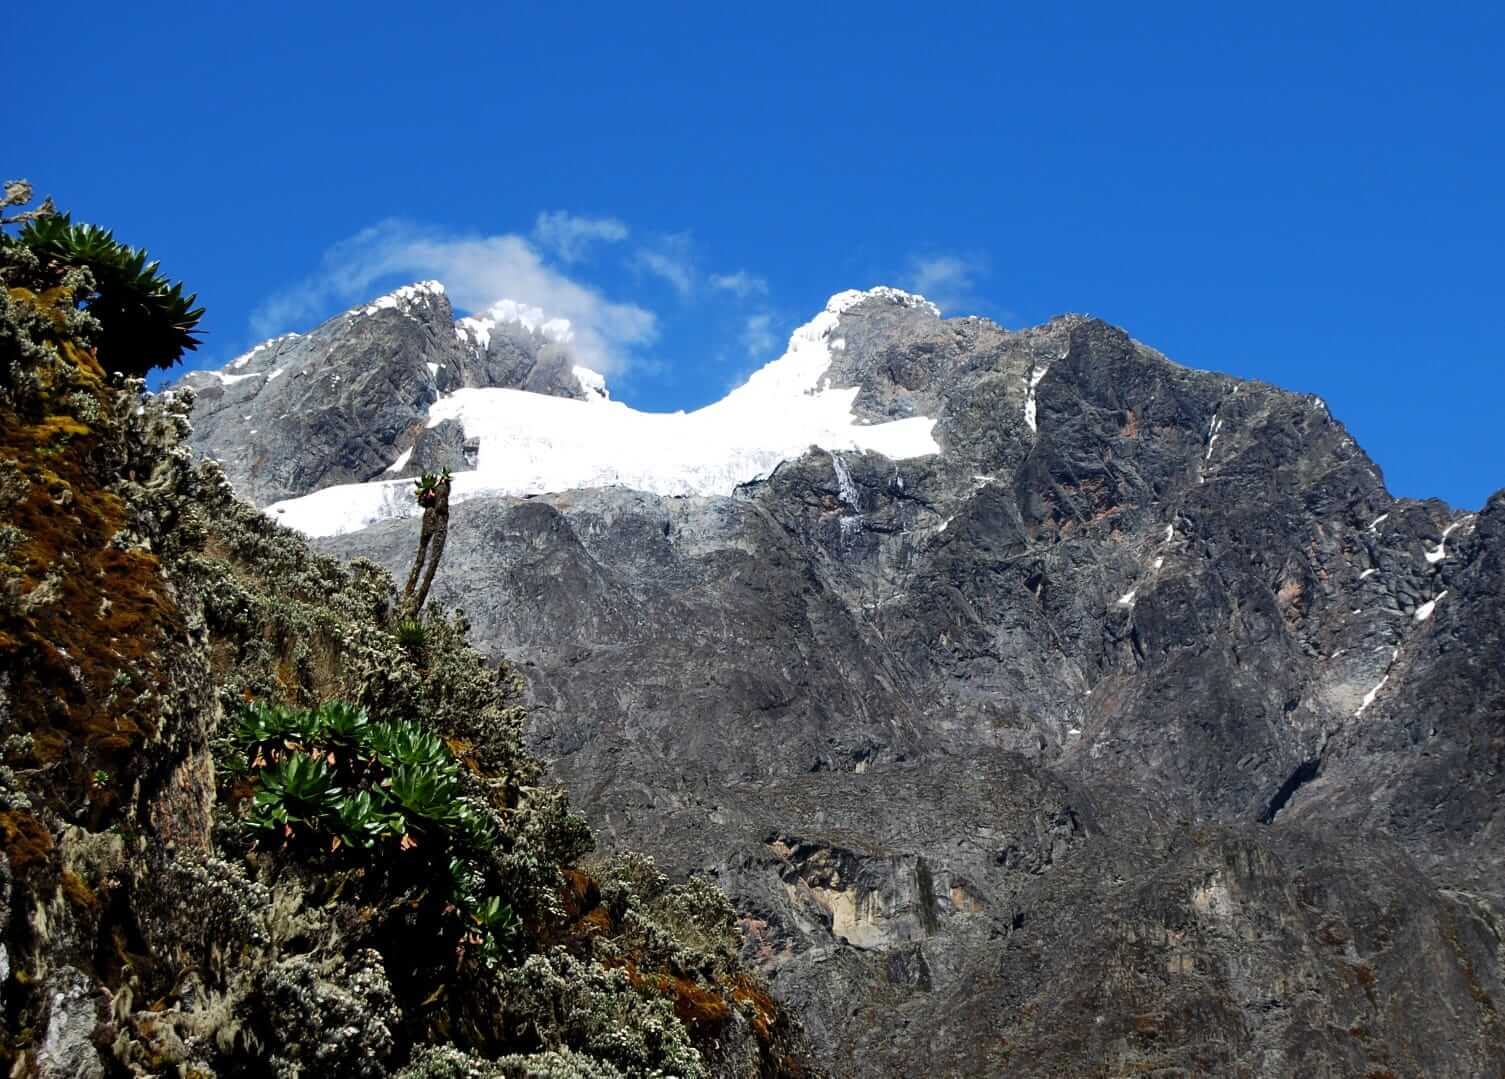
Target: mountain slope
{"type": "Point", "coordinates": [256, 819]}
{"type": "Point", "coordinates": [1137, 728]}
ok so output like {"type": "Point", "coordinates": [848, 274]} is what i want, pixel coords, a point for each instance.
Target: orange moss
{"type": "Point", "coordinates": [78, 893]}
{"type": "Point", "coordinates": [85, 642]}
{"type": "Point", "coordinates": [26, 840]}
{"type": "Point", "coordinates": [581, 895]}
{"type": "Point", "coordinates": [702, 1010]}
{"type": "Point", "coordinates": [765, 1011]}
{"type": "Point", "coordinates": [597, 923]}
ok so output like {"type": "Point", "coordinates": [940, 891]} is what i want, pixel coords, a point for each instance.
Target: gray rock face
{"type": "Point", "coordinates": [342, 403]}
{"type": "Point", "coordinates": [1138, 731]}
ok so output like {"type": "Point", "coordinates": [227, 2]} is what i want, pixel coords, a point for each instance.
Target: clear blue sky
{"type": "Point", "coordinates": [1309, 194]}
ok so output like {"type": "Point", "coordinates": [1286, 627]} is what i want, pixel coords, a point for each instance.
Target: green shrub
{"type": "Point", "coordinates": [296, 792]}
{"type": "Point", "coordinates": [411, 634]}
{"type": "Point", "coordinates": [328, 778]}
{"type": "Point", "coordinates": [145, 321]}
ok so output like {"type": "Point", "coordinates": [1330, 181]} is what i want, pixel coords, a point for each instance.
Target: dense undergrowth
{"type": "Point", "coordinates": [255, 820]}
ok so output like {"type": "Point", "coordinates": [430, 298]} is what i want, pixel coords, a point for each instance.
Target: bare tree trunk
{"type": "Point", "coordinates": [423, 546]}
{"type": "Point", "coordinates": [430, 548]}
{"type": "Point", "coordinates": [441, 533]}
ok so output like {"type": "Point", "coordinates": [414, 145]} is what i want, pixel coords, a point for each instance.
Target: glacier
{"type": "Point", "coordinates": [532, 443]}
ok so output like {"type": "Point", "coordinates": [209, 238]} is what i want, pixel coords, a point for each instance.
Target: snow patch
{"type": "Point", "coordinates": [1377, 521]}
{"type": "Point", "coordinates": [245, 358]}
{"type": "Point", "coordinates": [1212, 435]}
{"type": "Point", "coordinates": [1365, 574]}
{"type": "Point", "coordinates": [844, 485]}
{"type": "Point", "coordinates": [1371, 695]}
{"type": "Point", "coordinates": [1437, 555]}
{"type": "Point", "coordinates": [276, 374]}
{"type": "Point", "coordinates": [1425, 610]}
{"type": "Point", "coordinates": [1035, 375]}
{"type": "Point", "coordinates": [402, 460]}
{"type": "Point", "coordinates": [230, 380]}
{"type": "Point", "coordinates": [593, 383]}
{"type": "Point", "coordinates": [1127, 599]}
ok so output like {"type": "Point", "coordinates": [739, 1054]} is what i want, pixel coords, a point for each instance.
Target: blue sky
{"type": "Point", "coordinates": [1310, 194]}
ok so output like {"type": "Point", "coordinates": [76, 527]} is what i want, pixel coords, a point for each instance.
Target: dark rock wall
{"type": "Point", "coordinates": [1118, 737]}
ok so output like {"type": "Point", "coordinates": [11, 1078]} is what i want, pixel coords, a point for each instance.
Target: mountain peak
{"type": "Point", "coordinates": [843, 302]}
{"type": "Point", "coordinates": [404, 299]}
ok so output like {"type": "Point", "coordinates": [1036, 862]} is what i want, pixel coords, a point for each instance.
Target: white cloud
{"type": "Point", "coordinates": [947, 280]}
{"type": "Point", "coordinates": [571, 237]}
{"type": "Point", "coordinates": [758, 336]}
{"type": "Point", "coordinates": [672, 259]}
{"type": "Point", "coordinates": [476, 271]}
{"type": "Point", "coordinates": [742, 284]}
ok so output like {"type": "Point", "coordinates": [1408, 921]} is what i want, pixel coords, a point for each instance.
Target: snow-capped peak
{"type": "Point", "coordinates": [800, 369]}
{"type": "Point", "coordinates": [403, 298]}
{"type": "Point", "coordinates": [843, 302]}
{"type": "Point", "coordinates": [533, 443]}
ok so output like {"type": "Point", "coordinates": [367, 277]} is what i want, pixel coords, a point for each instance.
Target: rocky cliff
{"type": "Point", "coordinates": [1138, 730]}
{"type": "Point", "coordinates": [260, 817]}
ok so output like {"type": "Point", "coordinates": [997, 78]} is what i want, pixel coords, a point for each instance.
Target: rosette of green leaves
{"type": "Point", "coordinates": [296, 793]}
{"type": "Point", "coordinates": [362, 821]}
{"type": "Point", "coordinates": [428, 796]}
{"type": "Point", "coordinates": [145, 320]}
{"type": "Point", "coordinates": [343, 724]}
{"type": "Point", "coordinates": [407, 744]}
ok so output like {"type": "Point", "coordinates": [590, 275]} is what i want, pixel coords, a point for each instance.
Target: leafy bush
{"type": "Point", "coordinates": [411, 634]}
{"type": "Point", "coordinates": [426, 486]}
{"type": "Point", "coordinates": [298, 791]}
{"type": "Point", "coordinates": [146, 321]}
{"type": "Point", "coordinates": [328, 778]}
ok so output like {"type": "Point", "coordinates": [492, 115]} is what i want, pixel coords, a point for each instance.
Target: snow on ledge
{"type": "Point", "coordinates": [1425, 610]}
{"type": "Point", "coordinates": [593, 383]}
{"type": "Point", "coordinates": [532, 443]}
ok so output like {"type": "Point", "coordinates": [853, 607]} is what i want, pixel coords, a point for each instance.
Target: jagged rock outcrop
{"type": "Point", "coordinates": [346, 401]}
{"type": "Point", "coordinates": [1138, 730]}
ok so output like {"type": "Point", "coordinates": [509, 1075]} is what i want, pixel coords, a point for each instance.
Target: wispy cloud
{"type": "Point", "coordinates": [671, 258]}
{"type": "Point", "coordinates": [741, 284]}
{"type": "Point", "coordinates": [477, 270]}
{"type": "Point", "coordinates": [758, 336]}
{"type": "Point", "coordinates": [947, 280]}
{"type": "Point", "coordinates": [571, 237]}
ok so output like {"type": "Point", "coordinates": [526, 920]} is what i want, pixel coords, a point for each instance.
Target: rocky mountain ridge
{"type": "Point", "coordinates": [1138, 730]}
{"type": "Point", "coordinates": [342, 403]}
